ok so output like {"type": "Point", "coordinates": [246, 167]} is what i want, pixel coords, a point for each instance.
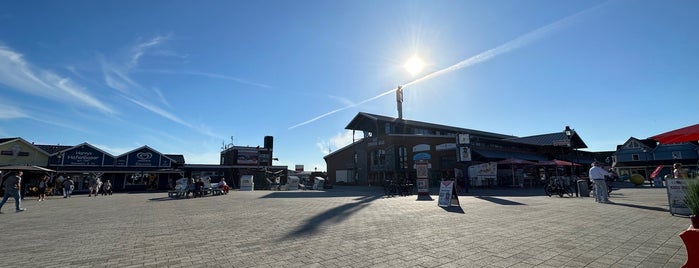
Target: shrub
{"type": "Point", "coordinates": [691, 197]}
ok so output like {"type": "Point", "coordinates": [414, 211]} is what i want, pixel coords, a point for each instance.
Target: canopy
{"type": "Point", "coordinates": [27, 168]}
{"type": "Point", "coordinates": [515, 161]}
{"type": "Point", "coordinates": [685, 134]}
{"type": "Point", "coordinates": [557, 162]}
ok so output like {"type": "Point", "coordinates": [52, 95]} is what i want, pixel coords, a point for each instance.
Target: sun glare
{"type": "Point", "coordinates": [414, 65]}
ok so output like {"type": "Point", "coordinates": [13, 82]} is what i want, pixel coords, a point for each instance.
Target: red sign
{"type": "Point", "coordinates": [656, 171]}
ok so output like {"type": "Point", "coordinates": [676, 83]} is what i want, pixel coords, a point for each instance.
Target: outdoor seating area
{"type": "Point", "coordinates": [184, 187]}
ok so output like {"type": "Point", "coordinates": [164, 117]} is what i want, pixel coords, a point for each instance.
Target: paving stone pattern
{"type": "Point", "coordinates": [344, 227]}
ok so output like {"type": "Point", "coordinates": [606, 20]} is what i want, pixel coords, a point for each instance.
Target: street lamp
{"type": "Point", "coordinates": [569, 133]}
{"type": "Point", "coordinates": [645, 166]}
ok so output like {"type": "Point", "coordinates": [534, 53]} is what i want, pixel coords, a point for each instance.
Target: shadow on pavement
{"type": "Point", "coordinates": [641, 207]}
{"type": "Point", "coordinates": [500, 201]}
{"type": "Point", "coordinates": [454, 209]}
{"type": "Point", "coordinates": [334, 215]}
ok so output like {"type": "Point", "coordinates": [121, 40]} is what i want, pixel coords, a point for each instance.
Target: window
{"type": "Point", "coordinates": [378, 157]}
{"type": "Point", "coordinates": [402, 157]}
{"type": "Point", "coordinates": [633, 144]}
{"type": "Point", "coordinates": [635, 157]}
{"type": "Point", "coordinates": [140, 179]}
{"type": "Point", "coordinates": [676, 155]}
{"type": "Point", "coordinates": [388, 128]}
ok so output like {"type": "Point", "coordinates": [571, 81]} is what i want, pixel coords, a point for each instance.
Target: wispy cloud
{"type": "Point", "coordinates": [140, 49]}
{"type": "Point", "coordinates": [210, 75]}
{"type": "Point", "coordinates": [157, 110]}
{"type": "Point", "coordinates": [338, 141]}
{"type": "Point", "coordinates": [12, 112]}
{"type": "Point", "coordinates": [19, 75]}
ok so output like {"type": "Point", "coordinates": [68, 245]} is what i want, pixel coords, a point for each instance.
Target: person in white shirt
{"type": "Point", "coordinates": [597, 175]}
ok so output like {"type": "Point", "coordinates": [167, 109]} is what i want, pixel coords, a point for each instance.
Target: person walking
{"type": "Point", "coordinates": [107, 188]}
{"type": "Point", "coordinates": [12, 189]}
{"type": "Point", "coordinates": [68, 187]}
{"type": "Point", "coordinates": [43, 183]}
{"type": "Point", "coordinates": [92, 185]}
{"type": "Point", "coordinates": [677, 171]}
{"type": "Point", "coordinates": [597, 175]}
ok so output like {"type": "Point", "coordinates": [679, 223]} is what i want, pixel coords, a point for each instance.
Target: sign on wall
{"type": "Point", "coordinates": [143, 157]}
{"type": "Point", "coordinates": [247, 157]}
{"type": "Point", "coordinates": [85, 155]}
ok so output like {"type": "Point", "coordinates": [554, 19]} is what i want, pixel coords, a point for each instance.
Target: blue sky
{"type": "Point", "coordinates": [184, 76]}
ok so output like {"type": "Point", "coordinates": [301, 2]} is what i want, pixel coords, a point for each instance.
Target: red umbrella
{"type": "Point", "coordinates": [685, 134]}
{"type": "Point", "coordinates": [513, 162]}
{"type": "Point", "coordinates": [557, 162]}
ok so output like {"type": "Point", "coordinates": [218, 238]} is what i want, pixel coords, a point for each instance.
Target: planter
{"type": "Point", "coordinates": [690, 238]}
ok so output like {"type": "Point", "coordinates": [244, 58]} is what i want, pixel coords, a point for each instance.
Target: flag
{"type": "Point", "coordinates": [656, 171]}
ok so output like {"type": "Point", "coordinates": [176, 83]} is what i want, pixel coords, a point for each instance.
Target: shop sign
{"type": "Point", "coordinates": [83, 156]}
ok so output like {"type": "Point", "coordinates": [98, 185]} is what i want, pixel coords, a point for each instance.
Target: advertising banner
{"type": "Point", "coordinates": [447, 194]}
{"type": "Point", "coordinates": [675, 196]}
{"type": "Point", "coordinates": [247, 157]}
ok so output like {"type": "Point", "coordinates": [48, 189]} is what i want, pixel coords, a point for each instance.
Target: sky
{"type": "Point", "coordinates": [188, 77]}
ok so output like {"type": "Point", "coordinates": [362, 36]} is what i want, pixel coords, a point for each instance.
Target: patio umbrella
{"type": "Point", "coordinates": [512, 162]}
{"type": "Point", "coordinates": [27, 168]}
{"type": "Point", "coordinates": [557, 162]}
{"type": "Point", "coordinates": [685, 134]}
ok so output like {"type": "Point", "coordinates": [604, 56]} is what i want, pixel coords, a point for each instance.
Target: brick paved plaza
{"type": "Point", "coordinates": [344, 227]}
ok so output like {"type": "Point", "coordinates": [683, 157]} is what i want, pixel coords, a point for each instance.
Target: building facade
{"type": "Point", "coordinates": [388, 148]}
{"type": "Point", "coordinates": [141, 169]}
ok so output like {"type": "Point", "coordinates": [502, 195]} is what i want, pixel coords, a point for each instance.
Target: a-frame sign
{"type": "Point", "coordinates": [447, 194]}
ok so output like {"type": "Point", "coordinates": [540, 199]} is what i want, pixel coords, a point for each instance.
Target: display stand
{"type": "Point", "coordinates": [675, 196]}
{"type": "Point", "coordinates": [447, 195]}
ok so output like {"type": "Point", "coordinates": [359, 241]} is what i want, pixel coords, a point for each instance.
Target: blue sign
{"type": "Point", "coordinates": [422, 156]}
{"type": "Point", "coordinates": [84, 155]}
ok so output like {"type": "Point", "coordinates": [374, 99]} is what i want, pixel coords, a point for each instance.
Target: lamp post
{"type": "Point", "coordinates": [645, 166]}
{"type": "Point", "coordinates": [569, 133]}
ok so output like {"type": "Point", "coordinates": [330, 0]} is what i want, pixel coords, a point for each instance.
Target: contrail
{"type": "Point", "coordinates": [516, 43]}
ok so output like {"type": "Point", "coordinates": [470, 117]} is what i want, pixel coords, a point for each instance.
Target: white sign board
{"type": "Point", "coordinates": [247, 183]}
{"type": "Point", "coordinates": [292, 183]}
{"type": "Point", "coordinates": [675, 196]}
{"type": "Point", "coordinates": [447, 196]}
{"type": "Point", "coordinates": [464, 154]}
{"type": "Point", "coordinates": [464, 138]}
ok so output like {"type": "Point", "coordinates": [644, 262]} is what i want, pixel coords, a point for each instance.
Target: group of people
{"type": "Point", "coordinates": [198, 186]}
{"type": "Point", "coordinates": [14, 187]}
{"type": "Point", "coordinates": [95, 185]}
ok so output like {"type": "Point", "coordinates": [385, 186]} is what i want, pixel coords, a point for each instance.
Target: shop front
{"type": "Point", "coordinates": [141, 169]}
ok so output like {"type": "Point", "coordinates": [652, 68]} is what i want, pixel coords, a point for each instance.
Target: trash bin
{"type": "Point", "coordinates": [583, 189]}
{"type": "Point", "coordinates": [318, 185]}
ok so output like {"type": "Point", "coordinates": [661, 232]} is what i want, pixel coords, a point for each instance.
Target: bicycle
{"type": "Point", "coordinates": [555, 186]}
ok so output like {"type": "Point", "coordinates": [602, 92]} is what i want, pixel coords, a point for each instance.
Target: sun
{"type": "Point", "coordinates": [414, 65]}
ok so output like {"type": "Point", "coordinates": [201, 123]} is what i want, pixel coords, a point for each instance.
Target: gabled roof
{"type": "Point", "coordinates": [52, 149]}
{"type": "Point", "coordinates": [8, 140]}
{"type": "Point", "coordinates": [649, 143]}
{"type": "Point", "coordinates": [4, 140]}
{"type": "Point", "coordinates": [68, 148]}
{"type": "Point", "coordinates": [145, 147]}
{"type": "Point", "coordinates": [178, 158]}
{"type": "Point", "coordinates": [367, 122]}
{"type": "Point", "coordinates": [552, 139]}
